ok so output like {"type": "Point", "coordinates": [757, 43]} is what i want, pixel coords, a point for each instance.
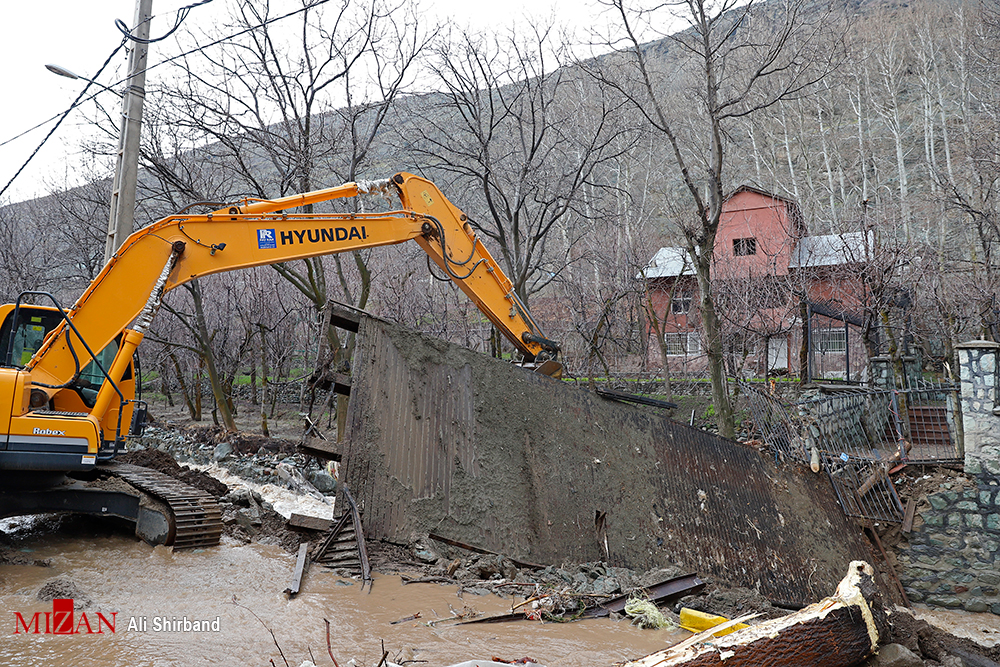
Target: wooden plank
{"type": "Point", "coordinates": [359, 532]}
{"type": "Point", "coordinates": [323, 449]}
{"type": "Point", "coordinates": [309, 522]}
{"type": "Point", "coordinates": [911, 506]}
{"type": "Point", "coordinates": [662, 592]}
{"type": "Point", "coordinates": [331, 538]}
{"type": "Point", "coordinates": [300, 569]}
{"type": "Point", "coordinates": [342, 384]}
{"type": "Point", "coordinates": [344, 318]}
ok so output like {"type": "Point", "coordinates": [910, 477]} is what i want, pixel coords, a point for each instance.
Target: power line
{"type": "Point", "coordinates": [80, 99]}
{"type": "Point", "coordinates": [62, 117]}
{"type": "Point", "coordinates": [182, 14]}
{"type": "Point", "coordinates": [313, 5]}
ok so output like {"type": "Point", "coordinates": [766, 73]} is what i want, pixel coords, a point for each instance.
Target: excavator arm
{"type": "Point", "coordinates": [184, 247]}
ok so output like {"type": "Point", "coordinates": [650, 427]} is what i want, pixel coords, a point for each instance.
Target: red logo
{"type": "Point", "coordinates": [60, 621]}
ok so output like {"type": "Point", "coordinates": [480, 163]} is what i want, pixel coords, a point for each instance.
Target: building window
{"type": "Point", "coordinates": [681, 303]}
{"type": "Point", "coordinates": [830, 340]}
{"type": "Point", "coordinates": [682, 343]}
{"type": "Point", "coordinates": [743, 247]}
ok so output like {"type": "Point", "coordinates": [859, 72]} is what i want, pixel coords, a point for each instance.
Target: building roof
{"type": "Point", "coordinates": [668, 263]}
{"type": "Point", "coordinates": [764, 193]}
{"type": "Point", "coordinates": [831, 250]}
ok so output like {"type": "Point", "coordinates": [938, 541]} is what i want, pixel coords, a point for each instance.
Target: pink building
{"type": "Point", "coordinates": [766, 272]}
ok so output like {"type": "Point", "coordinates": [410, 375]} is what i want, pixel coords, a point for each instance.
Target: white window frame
{"type": "Point", "coordinates": [682, 343]}
{"type": "Point", "coordinates": [830, 341]}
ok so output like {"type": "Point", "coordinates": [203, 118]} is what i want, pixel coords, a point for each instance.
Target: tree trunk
{"type": "Point", "coordinates": [185, 393]}
{"type": "Point", "coordinates": [165, 384]}
{"type": "Point", "coordinates": [840, 630]}
{"type": "Point", "coordinates": [713, 347]}
{"type": "Point", "coordinates": [264, 372]}
{"type": "Point", "coordinates": [205, 343]}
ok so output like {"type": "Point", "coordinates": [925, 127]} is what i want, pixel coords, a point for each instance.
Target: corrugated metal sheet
{"type": "Point", "coordinates": [445, 440]}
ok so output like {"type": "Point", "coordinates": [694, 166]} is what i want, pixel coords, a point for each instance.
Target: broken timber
{"type": "Point", "coordinates": [343, 317]}
{"type": "Point", "coordinates": [309, 522]}
{"type": "Point", "coordinates": [344, 546]}
{"type": "Point", "coordinates": [299, 571]}
{"type": "Point", "coordinates": [323, 449]}
{"type": "Point", "coordinates": [838, 631]}
{"type": "Point", "coordinates": [663, 592]}
{"type": "Point", "coordinates": [468, 547]}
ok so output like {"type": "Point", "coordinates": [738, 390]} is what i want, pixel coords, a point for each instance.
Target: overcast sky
{"type": "Point", "coordinates": [80, 34]}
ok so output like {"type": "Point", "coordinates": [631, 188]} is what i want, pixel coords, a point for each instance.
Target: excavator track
{"type": "Point", "coordinates": [197, 518]}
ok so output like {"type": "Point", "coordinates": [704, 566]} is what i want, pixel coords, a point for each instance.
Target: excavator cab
{"type": "Point", "coordinates": [33, 324]}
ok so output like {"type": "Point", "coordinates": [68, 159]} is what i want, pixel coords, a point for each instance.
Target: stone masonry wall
{"type": "Point", "coordinates": [980, 408]}
{"type": "Point", "coordinates": [952, 556]}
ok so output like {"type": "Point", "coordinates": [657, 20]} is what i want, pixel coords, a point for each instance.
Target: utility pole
{"type": "Point", "coordinates": [122, 216]}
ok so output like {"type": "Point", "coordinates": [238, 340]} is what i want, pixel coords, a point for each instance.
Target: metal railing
{"type": "Point", "coordinates": [860, 435]}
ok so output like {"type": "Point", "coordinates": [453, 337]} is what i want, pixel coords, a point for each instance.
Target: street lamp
{"type": "Point", "coordinates": [62, 71]}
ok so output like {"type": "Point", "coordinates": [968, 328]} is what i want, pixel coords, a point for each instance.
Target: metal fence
{"type": "Point", "coordinates": [860, 435]}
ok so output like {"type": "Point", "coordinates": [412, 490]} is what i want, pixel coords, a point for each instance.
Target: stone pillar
{"type": "Point", "coordinates": [980, 408]}
{"type": "Point", "coordinates": [882, 375]}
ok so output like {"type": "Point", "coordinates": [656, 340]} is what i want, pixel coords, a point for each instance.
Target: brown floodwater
{"type": "Point", "coordinates": [138, 583]}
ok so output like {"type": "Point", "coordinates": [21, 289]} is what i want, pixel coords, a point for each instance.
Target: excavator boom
{"type": "Point", "coordinates": [259, 232]}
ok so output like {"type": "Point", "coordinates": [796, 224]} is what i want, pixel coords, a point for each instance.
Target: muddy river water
{"type": "Point", "coordinates": [140, 587]}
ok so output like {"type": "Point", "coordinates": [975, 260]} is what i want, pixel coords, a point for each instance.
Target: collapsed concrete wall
{"type": "Point", "coordinates": [442, 439]}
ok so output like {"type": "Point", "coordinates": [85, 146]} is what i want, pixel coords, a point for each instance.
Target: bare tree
{"type": "Point", "coordinates": [275, 111]}
{"type": "Point", "coordinates": [731, 62]}
{"type": "Point", "coordinates": [522, 137]}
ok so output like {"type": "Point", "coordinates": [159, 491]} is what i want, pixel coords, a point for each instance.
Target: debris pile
{"type": "Point", "coordinates": [250, 457]}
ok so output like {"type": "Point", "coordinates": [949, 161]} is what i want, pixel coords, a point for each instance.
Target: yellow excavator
{"type": "Point", "coordinates": [69, 378]}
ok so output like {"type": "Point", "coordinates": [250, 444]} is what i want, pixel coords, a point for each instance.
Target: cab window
{"type": "Point", "coordinates": [32, 327]}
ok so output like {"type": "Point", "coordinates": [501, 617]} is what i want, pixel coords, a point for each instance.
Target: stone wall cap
{"type": "Point", "coordinates": [972, 344]}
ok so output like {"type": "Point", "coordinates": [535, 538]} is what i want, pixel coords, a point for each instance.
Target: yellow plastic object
{"type": "Point", "coordinates": [697, 621]}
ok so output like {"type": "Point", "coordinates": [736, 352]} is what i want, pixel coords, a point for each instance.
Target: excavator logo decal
{"type": "Point", "coordinates": [47, 431]}
{"type": "Point", "coordinates": [323, 235]}
{"type": "Point", "coordinates": [265, 239]}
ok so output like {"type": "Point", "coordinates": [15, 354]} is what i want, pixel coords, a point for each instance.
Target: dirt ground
{"type": "Point", "coordinates": [285, 428]}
